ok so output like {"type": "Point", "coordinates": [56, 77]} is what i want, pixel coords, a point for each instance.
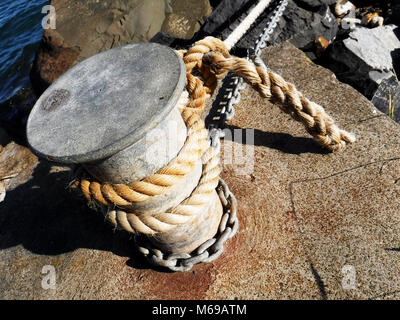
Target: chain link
{"type": "Point", "coordinates": [209, 250]}
{"type": "Point", "coordinates": [232, 84]}
{"type": "Point", "coordinates": [261, 42]}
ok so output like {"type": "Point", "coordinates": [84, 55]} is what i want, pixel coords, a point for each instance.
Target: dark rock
{"type": "Point", "coordinates": [365, 58]}
{"type": "Point", "coordinates": [394, 13]}
{"type": "Point", "coordinates": [303, 27]}
{"type": "Point", "coordinates": [163, 38]}
{"type": "Point", "coordinates": [53, 59]}
{"type": "Point", "coordinates": [387, 98]}
{"type": "Point", "coordinates": [14, 113]}
{"type": "Point", "coordinates": [314, 4]}
{"type": "Point", "coordinates": [224, 14]}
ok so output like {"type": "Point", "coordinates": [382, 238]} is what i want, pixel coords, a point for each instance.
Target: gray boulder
{"type": "Point", "coordinates": [365, 58]}
{"type": "Point", "coordinates": [387, 98]}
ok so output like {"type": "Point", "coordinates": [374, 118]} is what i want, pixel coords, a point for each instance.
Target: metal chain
{"type": "Point", "coordinates": [261, 42]}
{"type": "Point", "coordinates": [209, 250]}
{"type": "Point", "coordinates": [232, 84]}
{"type": "Point", "coordinates": [213, 248]}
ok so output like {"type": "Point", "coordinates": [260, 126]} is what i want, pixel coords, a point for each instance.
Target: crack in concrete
{"type": "Point", "coordinates": [384, 161]}
{"type": "Point", "coordinates": [392, 249]}
{"type": "Point", "coordinates": [371, 118]}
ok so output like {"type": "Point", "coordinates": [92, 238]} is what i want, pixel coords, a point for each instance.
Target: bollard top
{"type": "Point", "coordinates": [106, 103]}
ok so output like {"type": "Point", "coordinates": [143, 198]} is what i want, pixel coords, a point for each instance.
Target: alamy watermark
{"type": "Point", "coordinates": [240, 152]}
{"type": "Point", "coordinates": [49, 21]}
{"type": "Point", "coordinates": [349, 277]}
{"type": "Point", "coordinates": [49, 279]}
{"type": "Point", "coordinates": [164, 145]}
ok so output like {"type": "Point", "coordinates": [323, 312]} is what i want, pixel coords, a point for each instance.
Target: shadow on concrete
{"type": "Point", "coordinates": [283, 142]}
{"type": "Point", "coordinates": [47, 218]}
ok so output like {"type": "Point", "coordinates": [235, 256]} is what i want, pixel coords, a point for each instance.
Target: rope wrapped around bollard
{"type": "Point", "coordinates": [210, 56]}
{"type": "Point", "coordinates": [209, 250]}
{"type": "Point", "coordinates": [211, 59]}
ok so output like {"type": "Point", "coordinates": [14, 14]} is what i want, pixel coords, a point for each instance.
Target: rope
{"type": "Point", "coordinates": [245, 25]}
{"type": "Point", "coordinates": [183, 213]}
{"type": "Point", "coordinates": [205, 253]}
{"type": "Point", "coordinates": [271, 85]}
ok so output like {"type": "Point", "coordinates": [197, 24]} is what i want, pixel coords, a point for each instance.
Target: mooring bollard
{"type": "Point", "coordinates": [117, 114]}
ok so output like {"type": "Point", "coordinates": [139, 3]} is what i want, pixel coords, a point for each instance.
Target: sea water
{"type": "Point", "coordinates": [20, 33]}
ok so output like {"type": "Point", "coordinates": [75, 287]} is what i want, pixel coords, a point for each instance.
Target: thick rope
{"type": "Point", "coordinates": [271, 85]}
{"type": "Point", "coordinates": [183, 213]}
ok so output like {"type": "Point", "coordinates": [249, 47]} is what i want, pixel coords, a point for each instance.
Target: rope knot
{"type": "Point", "coordinates": [217, 63]}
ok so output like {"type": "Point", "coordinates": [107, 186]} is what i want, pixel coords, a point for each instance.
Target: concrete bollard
{"type": "Point", "coordinates": [116, 115]}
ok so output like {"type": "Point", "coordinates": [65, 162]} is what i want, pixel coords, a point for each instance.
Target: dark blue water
{"type": "Point", "coordinates": [20, 34]}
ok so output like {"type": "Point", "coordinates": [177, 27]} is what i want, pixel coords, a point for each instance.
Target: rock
{"type": "Point", "coordinates": [15, 111]}
{"type": "Point", "coordinates": [387, 97]}
{"type": "Point", "coordinates": [394, 13]}
{"type": "Point", "coordinates": [222, 15]}
{"type": "Point", "coordinates": [343, 8]}
{"type": "Point", "coordinates": [314, 4]}
{"type": "Point", "coordinates": [16, 166]}
{"type": "Point", "coordinates": [186, 17]}
{"type": "Point", "coordinates": [303, 27]}
{"type": "Point", "coordinates": [54, 58]}
{"type": "Point", "coordinates": [176, 25]}
{"type": "Point", "coordinates": [108, 24]}
{"type": "Point", "coordinates": [364, 59]}
{"type": "Point", "coordinates": [306, 217]}
{"type": "Point", "coordinates": [4, 139]}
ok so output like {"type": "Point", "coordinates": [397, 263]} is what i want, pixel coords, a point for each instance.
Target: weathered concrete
{"type": "Point", "coordinates": [107, 103]}
{"type": "Point", "coordinates": [304, 214]}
